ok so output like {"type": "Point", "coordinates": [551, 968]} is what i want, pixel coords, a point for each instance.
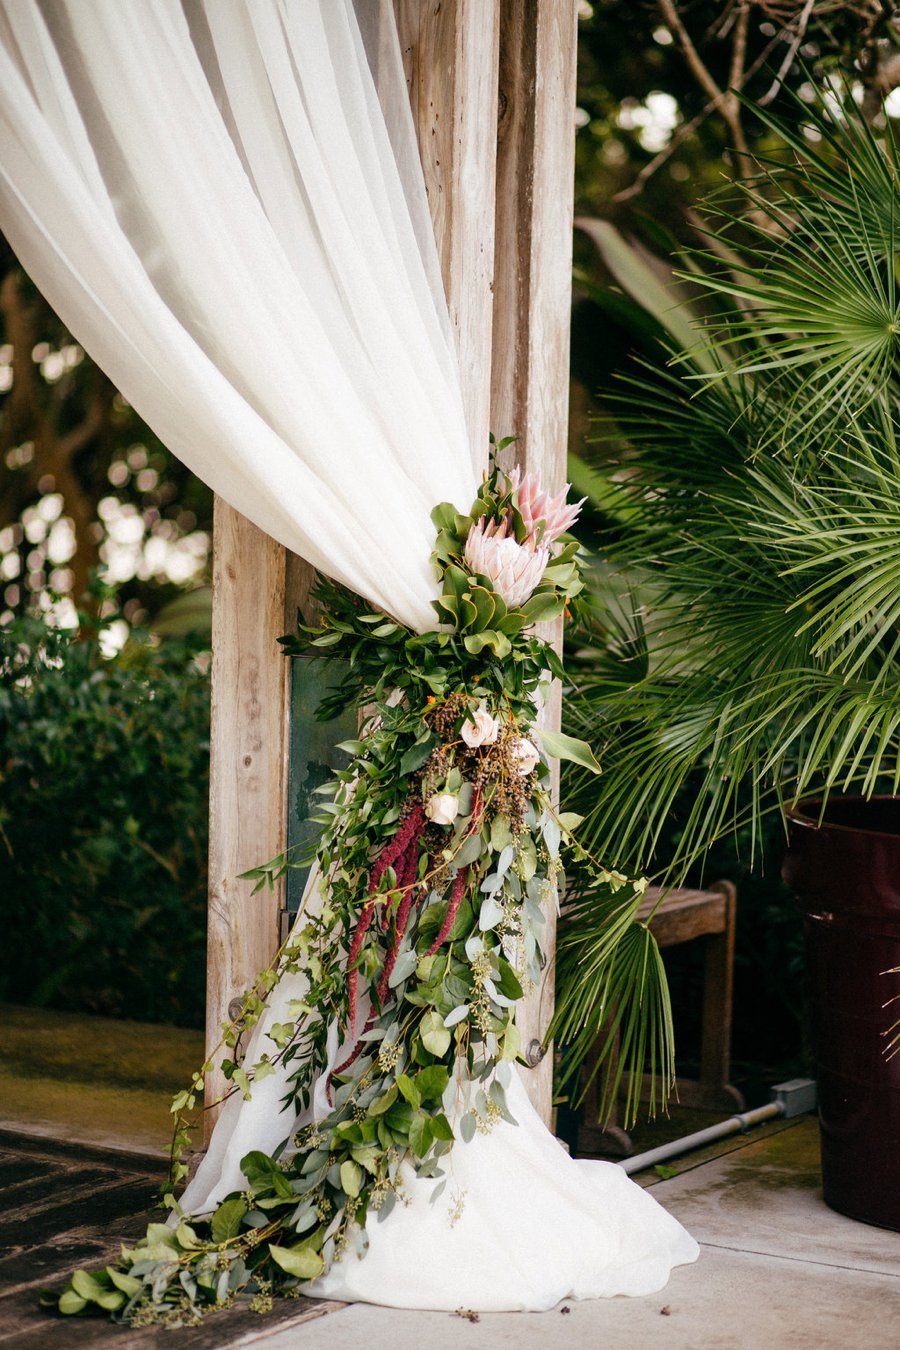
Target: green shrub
{"type": "Point", "coordinates": [104, 768]}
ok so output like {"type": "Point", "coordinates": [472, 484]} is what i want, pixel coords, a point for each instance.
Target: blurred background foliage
{"type": "Point", "coordinates": [104, 727]}
{"type": "Point", "coordinates": [103, 822]}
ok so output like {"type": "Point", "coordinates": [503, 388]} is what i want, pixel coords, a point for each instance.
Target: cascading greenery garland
{"type": "Point", "coordinates": [440, 851]}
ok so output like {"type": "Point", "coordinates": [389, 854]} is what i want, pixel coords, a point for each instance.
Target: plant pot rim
{"type": "Point", "coordinates": [805, 814]}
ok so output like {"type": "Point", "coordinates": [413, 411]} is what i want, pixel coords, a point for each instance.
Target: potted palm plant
{"type": "Point", "coordinates": [751, 653]}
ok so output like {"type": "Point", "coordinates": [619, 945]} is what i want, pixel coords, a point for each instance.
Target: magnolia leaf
{"type": "Point", "coordinates": [560, 746]}
{"type": "Point", "coordinates": [303, 1262]}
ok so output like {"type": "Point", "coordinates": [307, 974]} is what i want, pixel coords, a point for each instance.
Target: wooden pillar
{"type": "Point", "coordinates": [450, 54]}
{"type": "Point", "coordinates": [248, 759]}
{"type": "Point", "coordinates": [520, 186]}
{"type": "Point", "coordinates": [532, 306]}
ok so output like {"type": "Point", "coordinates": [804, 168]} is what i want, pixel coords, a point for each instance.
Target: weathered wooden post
{"type": "Point", "coordinates": [532, 307]}
{"type": "Point", "coordinates": [509, 307]}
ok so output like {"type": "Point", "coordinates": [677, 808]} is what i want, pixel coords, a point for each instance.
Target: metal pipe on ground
{"type": "Point", "coordinates": [794, 1098]}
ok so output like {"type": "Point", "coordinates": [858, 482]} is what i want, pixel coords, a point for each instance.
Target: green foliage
{"type": "Point", "coordinates": [439, 853]}
{"type": "Point", "coordinates": [103, 824]}
{"type": "Point", "coordinates": [746, 654]}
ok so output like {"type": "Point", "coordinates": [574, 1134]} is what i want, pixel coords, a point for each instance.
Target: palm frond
{"type": "Point", "coordinates": [613, 1002]}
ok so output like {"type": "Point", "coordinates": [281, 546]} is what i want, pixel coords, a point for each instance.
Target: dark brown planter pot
{"type": "Point", "coordinates": [846, 875]}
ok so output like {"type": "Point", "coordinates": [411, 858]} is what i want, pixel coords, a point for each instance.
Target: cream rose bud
{"type": "Point", "coordinates": [442, 808]}
{"type": "Point", "coordinates": [526, 756]}
{"type": "Point", "coordinates": [480, 728]}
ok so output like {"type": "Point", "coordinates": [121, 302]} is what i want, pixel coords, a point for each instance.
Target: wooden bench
{"type": "Point", "coordinates": [684, 915]}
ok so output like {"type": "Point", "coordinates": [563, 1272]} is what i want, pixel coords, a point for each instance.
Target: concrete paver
{"type": "Point", "coordinates": [727, 1301]}
{"type": "Point", "coordinates": [777, 1268]}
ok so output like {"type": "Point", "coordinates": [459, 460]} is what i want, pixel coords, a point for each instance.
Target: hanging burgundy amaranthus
{"type": "Point", "coordinates": [403, 846]}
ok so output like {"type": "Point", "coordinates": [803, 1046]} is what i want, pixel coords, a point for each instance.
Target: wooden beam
{"type": "Point", "coordinates": [532, 305]}
{"type": "Point", "coordinates": [249, 745]}
{"type": "Point", "coordinates": [450, 54]}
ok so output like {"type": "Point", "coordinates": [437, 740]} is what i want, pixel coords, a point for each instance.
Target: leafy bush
{"type": "Point", "coordinates": [103, 824]}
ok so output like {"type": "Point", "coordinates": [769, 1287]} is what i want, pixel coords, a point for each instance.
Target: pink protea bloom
{"type": "Point", "coordinates": [513, 569]}
{"type": "Point", "coordinates": [536, 507]}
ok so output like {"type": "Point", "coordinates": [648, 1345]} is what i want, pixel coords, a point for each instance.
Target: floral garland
{"type": "Point", "coordinates": [439, 854]}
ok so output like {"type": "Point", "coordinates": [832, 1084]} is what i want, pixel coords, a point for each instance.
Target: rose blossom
{"type": "Point", "coordinates": [479, 728]}
{"type": "Point", "coordinates": [442, 808]}
{"type": "Point", "coordinates": [526, 755]}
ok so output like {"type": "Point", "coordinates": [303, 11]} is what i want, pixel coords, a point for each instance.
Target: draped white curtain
{"type": "Point", "coordinates": [210, 196]}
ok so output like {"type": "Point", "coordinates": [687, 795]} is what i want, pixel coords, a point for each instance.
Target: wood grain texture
{"type": "Point", "coordinates": [532, 306]}
{"type": "Point", "coordinates": [90, 1201]}
{"type": "Point", "coordinates": [450, 54]}
{"type": "Point", "coordinates": [248, 760]}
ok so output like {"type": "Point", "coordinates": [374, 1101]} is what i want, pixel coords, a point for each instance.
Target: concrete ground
{"type": "Point", "coordinates": [777, 1267]}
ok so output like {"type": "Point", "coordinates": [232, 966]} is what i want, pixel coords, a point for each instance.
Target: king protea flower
{"type": "Point", "coordinates": [513, 569]}
{"type": "Point", "coordinates": [537, 507]}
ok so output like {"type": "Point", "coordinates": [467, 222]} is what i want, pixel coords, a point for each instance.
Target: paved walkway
{"type": "Point", "coordinates": [777, 1267]}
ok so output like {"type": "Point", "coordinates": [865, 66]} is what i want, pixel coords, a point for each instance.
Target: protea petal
{"type": "Point", "coordinates": [514, 570]}
{"type": "Point", "coordinates": [537, 507]}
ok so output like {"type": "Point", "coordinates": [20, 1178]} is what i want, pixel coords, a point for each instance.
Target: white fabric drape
{"type": "Point", "coordinates": [208, 194]}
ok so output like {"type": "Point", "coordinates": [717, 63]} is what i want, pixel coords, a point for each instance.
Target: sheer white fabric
{"type": "Point", "coordinates": [209, 197]}
{"type": "Point", "coordinates": [209, 194]}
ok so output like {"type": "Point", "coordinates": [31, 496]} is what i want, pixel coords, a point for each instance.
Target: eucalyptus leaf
{"type": "Point", "coordinates": [490, 914]}
{"type": "Point", "coordinates": [404, 966]}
